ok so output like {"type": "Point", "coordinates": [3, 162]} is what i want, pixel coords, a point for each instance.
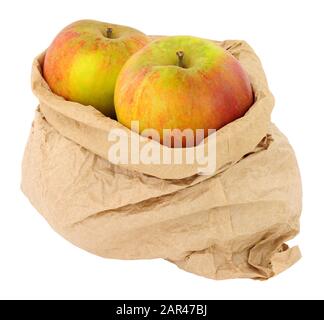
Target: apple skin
{"type": "Point", "coordinates": [211, 90]}
{"type": "Point", "coordinates": [82, 63]}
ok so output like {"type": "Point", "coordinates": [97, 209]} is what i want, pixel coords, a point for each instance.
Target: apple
{"type": "Point", "coordinates": [84, 60]}
{"type": "Point", "coordinates": [182, 82]}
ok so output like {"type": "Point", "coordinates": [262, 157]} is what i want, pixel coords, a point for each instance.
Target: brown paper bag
{"type": "Point", "coordinates": [232, 224]}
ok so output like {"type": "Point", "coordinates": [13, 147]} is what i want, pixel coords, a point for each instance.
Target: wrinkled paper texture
{"type": "Point", "coordinates": [233, 224]}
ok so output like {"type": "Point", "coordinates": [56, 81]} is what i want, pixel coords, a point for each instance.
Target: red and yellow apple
{"type": "Point", "coordinates": [84, 60]}
{"type": "Point", "coordinates": [182, 82]}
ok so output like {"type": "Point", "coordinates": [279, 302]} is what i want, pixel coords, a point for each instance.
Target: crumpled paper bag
{"type": "Point", "coordinates": [232, 224]}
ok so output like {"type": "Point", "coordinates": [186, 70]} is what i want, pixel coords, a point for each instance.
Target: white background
{"type": "Point", "coordinates": [37, 263]}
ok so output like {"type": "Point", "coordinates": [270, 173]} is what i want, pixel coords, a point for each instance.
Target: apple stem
{"type": "Point", "coordinates": [180, 55]}
{"type": "Point", "coordinates": [109, 32]}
